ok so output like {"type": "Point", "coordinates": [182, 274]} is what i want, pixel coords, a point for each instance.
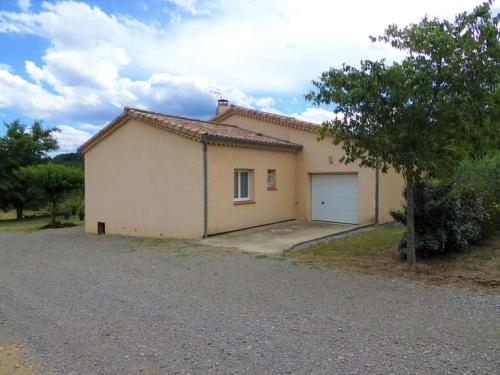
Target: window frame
{"type": "Point", "coordinates": [239, 198]}
{"type": "Point", "coordinates": [271, 172]}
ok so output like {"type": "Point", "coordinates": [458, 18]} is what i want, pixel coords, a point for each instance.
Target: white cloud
{"type": "Point", "coordinates": [194, 7]}
{"type": "Point", "coordinates": [316, 115]}
{"type": "Point", "coordinates": [29, 98]}
{"type": "Point", "coordinates": [278, 46]}
{"type": "Point", "coordinates": [69, 138]}
{"type": "Point", "coordinates": [81, 76]}
{"type": "Point", "coordinates": [262, 45]}
{"type": "Point", "coordinates": [97, 68]}
{"type": "Point", "coordinates": [183, 95]}
{"type": "Point", "coordinates": [91, 127]}
{"type": "Point", "coordinates": [234, 47]}
{"type": "Point", "coordinates": [24, 5]}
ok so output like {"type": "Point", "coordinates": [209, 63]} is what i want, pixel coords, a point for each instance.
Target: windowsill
{"type": "Point", "coordinates": [272, 188]}
{"type": "Point", "coordinates": [237, 203]}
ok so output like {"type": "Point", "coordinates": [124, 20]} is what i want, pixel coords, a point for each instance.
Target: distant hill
{"type": "Point", "coordinates": [71, 158]}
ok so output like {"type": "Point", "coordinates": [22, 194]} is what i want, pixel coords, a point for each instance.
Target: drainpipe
{"type": "Point", "coordinates": [205, 185]}
{"type": "Point", "coordinates": [377, 196]}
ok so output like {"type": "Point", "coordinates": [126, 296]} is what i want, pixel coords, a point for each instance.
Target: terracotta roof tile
{"type": "Point", "coordinates": [193, 129]}
{"type": "Point", "coordinates": [287, 121]}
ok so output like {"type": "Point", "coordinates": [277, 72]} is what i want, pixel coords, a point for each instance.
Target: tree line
{"type": "Point", "coordinates": [29, 177]}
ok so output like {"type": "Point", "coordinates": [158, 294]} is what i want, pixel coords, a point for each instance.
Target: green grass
{"type": "Point", "coordinates": [368, 244]}
{"type": "Point", "coordinates": [33, 224]}
{"type": "Point", "coordinates": [11, 214]}
{"type": "Point", "coordinates": [375, 252]}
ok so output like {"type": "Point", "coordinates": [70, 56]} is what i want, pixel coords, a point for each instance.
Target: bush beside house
{"type": "Point", "coordinates": [454, 214]}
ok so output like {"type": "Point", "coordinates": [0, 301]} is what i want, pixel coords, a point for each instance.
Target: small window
{"type": "Point", "coordinates": [242, 183]}
{"type": "Point", "coordinates": [271, 179]}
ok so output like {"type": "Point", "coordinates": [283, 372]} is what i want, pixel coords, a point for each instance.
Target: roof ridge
{"type": "Point", "coordinates": [273, 114]}
{"type": "Point", "coordinates": [273, 118]}
{"type": "Point", "coordinates": [174, 116]}
{"type": "Point", "coordinates": [207, 131]}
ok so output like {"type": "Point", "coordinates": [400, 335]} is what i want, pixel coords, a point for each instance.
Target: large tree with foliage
{"type": "Point", "coordinates": [21, 146]}
{"type": "Point", "coordinates": [423, 114]}
{"type": "Point", "coordinates": [53, 181]}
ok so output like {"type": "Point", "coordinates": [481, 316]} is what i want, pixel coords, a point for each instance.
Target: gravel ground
{"type": "Point", "coordinates": [84, 304]}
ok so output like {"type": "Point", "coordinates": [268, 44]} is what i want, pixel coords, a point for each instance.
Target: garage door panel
{"type": "Point", "coordinates": [336, 201]}
{"type": "Point", "coordinates": [336, 215]}
{"type": "Point", "coordinates": [330, 196]}
{"type": "Point", "coordinates": [335, 198]}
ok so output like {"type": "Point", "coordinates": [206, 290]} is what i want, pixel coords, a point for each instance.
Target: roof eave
{"type": "Point", "coordinates": [289, 147]}
{"type": "Point", "coordinates": [130, 113]}
{"type": "Point", "coordinates": [97, 136]}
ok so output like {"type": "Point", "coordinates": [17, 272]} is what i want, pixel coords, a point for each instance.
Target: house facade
{"type": "Point", "coordinates": [155, 175]}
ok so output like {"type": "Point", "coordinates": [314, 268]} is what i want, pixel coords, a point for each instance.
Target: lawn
{"type": "Point", "coordinates": [32, 224]}
{"type": "Point", "coordinates": [11, 214]}
{"type": "Point", "coordinates": [375, 252]}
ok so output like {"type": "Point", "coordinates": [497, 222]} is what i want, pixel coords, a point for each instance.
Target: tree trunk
{"type": "Point", "coordinates": [19, 212]}
{"type": "Point", "coordinates": [54, 212]}
{"type": "Point", "coordinates": [410, 225]}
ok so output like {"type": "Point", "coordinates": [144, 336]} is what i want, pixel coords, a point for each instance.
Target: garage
{"type": "Point", "coordinates": [335, 198]}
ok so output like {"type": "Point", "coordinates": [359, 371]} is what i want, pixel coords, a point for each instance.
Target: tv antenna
{"type": "Point", "coordinates": [216, 93]}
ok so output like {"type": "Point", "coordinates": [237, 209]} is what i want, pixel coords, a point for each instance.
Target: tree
{"type": "Point", "coordinates": [421, 115]}
{"type": "Point", "coordinates": [53, 181]}
{"type": "Point", "coordinates": [21, 147]}
{"type": "Point", "coordinates": [70, 158]}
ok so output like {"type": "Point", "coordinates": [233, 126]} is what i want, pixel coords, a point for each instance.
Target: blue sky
{"type": "Point", "coordinates": [76, 64]}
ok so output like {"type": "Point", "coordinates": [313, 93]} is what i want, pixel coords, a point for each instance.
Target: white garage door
{"type": "Point", "coordinates": [335, 198]}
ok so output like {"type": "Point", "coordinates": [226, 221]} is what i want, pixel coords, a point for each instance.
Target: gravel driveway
{"type": "Point", "coordinates": [84, 304]}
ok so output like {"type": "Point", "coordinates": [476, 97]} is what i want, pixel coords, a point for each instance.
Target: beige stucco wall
{"type": "Point", "coordinates": [270, 205]}
{"type": "Point", "coordinates": [315, 159]}
{"type": "Point", "coordinates": [146, 182]}
{"type": "Point", "coordinates": [391, 194]}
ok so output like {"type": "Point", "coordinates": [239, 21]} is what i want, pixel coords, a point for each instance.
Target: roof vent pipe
{"type": "Point", "coordinates": [222, 106]}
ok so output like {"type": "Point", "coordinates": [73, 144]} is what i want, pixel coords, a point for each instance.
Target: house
{"type": "Point", "coordinates": [153, 174]}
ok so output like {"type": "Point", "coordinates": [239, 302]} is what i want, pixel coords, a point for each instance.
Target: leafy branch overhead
{"type": "Point", "coordinates": [424, 113]}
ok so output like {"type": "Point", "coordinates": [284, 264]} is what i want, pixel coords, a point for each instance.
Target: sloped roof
{"type": "Point", "coordinates": [287, 121]}
{"type": "Point", "coordinates": [192, 129]}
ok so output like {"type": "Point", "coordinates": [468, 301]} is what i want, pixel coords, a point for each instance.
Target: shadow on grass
{"type": "Point", "coordinates": [375, 253]}
{"type": "Point", "coordinates": [35, 223]}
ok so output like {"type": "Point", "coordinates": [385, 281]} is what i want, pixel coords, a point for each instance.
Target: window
{"type": "Point", "coordinates": [242, 183]}
{"type": "Point", "coordinates": [271, 179]}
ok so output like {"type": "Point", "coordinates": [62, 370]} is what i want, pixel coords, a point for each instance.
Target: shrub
{"type": "Point", "coordinates": [483, 176]}
{"type": "Point", "coordinates": [447, 218]}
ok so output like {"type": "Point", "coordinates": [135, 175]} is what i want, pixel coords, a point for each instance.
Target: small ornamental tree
{"type": "Point", "coordinates": [421, 115]}
{"type": "Point", "coordinates": [53, 181]}
{"type": "Point", "coordinates": [19, 147]}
